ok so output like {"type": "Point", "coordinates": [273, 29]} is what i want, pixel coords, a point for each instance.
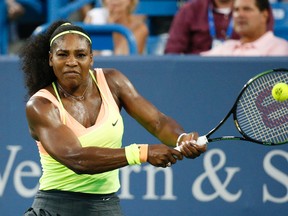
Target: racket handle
{"type": "Point", "coordinates": [177, 148]}
{"type": "Point", "coordinates": [202, 140]}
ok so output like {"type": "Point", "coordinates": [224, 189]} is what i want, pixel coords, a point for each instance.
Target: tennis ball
{"type": "Point", "coordinates": [280, 92]}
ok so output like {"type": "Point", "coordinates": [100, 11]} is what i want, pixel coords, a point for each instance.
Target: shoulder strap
{"type": "Point", "coordinates": [59, 99]}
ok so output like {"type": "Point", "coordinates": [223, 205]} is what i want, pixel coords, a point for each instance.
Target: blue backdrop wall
{"type": "Point", "coordinates": [231, 178]}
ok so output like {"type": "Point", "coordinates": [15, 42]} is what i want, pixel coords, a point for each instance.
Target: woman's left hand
{"type": "Point", "coordinates": [188, 146]}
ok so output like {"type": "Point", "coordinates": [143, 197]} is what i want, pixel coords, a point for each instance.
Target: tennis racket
{"type": "Point", "coordinates": [257, 115]}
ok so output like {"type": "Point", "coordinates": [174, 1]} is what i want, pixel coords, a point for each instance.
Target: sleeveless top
{"type": "Point", "coordinates": [106, 132]}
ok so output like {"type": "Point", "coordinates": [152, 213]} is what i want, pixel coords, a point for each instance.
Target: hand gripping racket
{"type": "Point", "coordinates": [257, 115]}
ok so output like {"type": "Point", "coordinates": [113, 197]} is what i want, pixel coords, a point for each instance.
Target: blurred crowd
{"type": "Point", "coordinates": [199, 27]}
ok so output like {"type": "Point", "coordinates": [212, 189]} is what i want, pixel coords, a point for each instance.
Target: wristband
{"type": "Point", "coordinates": [143, 148]}
{"type": "Point", "coordinates": [132, 154]}
{"type": "Point", "coordinates": [179, 137]}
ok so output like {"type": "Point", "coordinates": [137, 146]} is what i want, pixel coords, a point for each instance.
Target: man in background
{"type": "Point", "coordinates": [250, 22]}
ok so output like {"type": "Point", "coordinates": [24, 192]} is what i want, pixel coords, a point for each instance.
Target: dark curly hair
{"type": "Point", "coordinates": [34, 56]}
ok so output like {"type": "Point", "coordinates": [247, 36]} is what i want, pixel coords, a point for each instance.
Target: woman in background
{"type": "Point", "coordinates": [120, 12]}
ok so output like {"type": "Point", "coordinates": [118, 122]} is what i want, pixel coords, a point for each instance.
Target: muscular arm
{"type": "Point", "coordinates": [161, 126]}
{"type": "Point", "coordinates": [62, 144]}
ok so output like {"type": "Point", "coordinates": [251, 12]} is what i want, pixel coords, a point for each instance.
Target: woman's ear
{"type": "Point", "coordinates": [92, 59]}
{"type": "Point", "coordinates": [50, 59]}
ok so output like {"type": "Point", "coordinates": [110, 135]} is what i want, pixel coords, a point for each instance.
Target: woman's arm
{"type": "Point", "coordinates": [62, 144]}
{"type": "Point", "coordinates": [141, 33]}
{"type": "Point", "coordinates": [161, 126]}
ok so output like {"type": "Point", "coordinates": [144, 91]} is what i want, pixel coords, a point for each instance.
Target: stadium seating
{"type": "Point", "coordinates": [3, 28]}
{"type": "Point", "coordinates": [55, 9]}
{"type": "Point", "coordinates": [152, 8]}
{"type": "Point", "coordinates": [280, 13]}
{"type": "Point", "coordinates": [62, 9]}
{"type": "Point", "coordinates": [34, 10]}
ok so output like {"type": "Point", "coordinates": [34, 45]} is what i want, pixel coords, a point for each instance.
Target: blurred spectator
{"type": "Point", "coordinates": [250, 22]}
{"type": "Point", "coordinates": [120, 12]}
{"type": "Point", "coordinates": [200, 25]}
{"type": "Point", "coordinates": [84, 10]}
{"type": "Point", "coordinates": [14, 9]}
{"type": "Point", "coordinates": [80, 14]}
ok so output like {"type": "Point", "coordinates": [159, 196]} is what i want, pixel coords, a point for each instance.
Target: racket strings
{"type": "Point", "coordinates": [259, 116]}
{"type": "Point", "coordinates": [273, 112]}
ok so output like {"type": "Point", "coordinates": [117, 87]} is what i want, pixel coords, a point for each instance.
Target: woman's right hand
{"type": "Point", "coordinates": [160, 155]}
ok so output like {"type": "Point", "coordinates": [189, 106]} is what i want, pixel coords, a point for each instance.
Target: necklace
{"type": "Point", "coordinates": [66, 94]}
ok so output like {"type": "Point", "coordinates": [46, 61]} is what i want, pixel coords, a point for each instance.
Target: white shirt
{"type": "Point", "coordinates": [98, 16]}
{"type": "Point", "coordinates": [267, 45]}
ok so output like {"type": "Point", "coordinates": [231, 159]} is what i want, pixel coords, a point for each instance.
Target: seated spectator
{"type": "Point", "coordinates": [120, 12]}
{"type": "Point", "coordinates": [190, 32]}
{"type": "Point", "coordinates": [193, 30]}
{"type": "Point", "coordinates": [14, 9]}
{"type": "Point", "coordinates": [250, 22]}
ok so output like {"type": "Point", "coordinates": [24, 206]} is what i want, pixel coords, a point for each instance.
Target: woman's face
{"type": "Point", "coordinates": [118, 6]}
{"type": "Point", "coordinates": [71, 59]}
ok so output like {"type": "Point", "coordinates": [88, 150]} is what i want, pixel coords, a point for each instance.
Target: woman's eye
{"type": "Point", "coordinates": [61, 54]}
{"type": "Point", "coordinates": [81, 55]}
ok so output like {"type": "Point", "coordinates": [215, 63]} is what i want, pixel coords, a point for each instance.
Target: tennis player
{"type": "Point", "coordinates": [74, 116]}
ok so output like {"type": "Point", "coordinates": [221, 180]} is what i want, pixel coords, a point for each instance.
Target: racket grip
{"type": "Point", "coordinates": [177, 148]}
{"type": "Point", "coordinates": [202, 140]}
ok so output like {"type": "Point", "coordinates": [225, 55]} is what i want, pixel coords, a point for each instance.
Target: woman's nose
{"type": "Point", "coordinates": [71, 61]}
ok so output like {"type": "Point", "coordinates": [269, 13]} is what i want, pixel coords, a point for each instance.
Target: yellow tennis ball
{"type": "Point", "coordinates": [280, 92]}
